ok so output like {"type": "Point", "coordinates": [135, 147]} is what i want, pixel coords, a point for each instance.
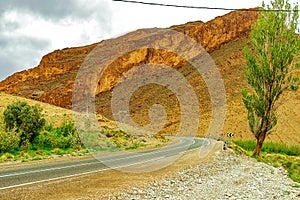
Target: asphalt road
{"type": "Point", "coordinates": [21, 176]}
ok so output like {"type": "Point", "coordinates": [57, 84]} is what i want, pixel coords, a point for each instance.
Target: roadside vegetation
{"type": "Point", "coordinates": [275, 154]}
{"type": "Point", "coordinates": [25, 135]}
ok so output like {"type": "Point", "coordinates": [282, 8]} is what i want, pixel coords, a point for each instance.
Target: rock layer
{"type": "Point", "coordinates": [52, 80]}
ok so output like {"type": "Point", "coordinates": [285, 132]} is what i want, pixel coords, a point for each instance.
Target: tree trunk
{"type": "Point", "coordinates": [259, 143]}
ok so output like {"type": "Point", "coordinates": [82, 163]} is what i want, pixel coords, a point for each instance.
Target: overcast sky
{"type": "Point", "coordinates": [30, 29]}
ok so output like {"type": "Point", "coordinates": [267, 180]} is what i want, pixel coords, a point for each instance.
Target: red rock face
{"type": "Point", "coordinates": [221, 30]}
{"type": "Point", "coordinates": [52, 81]}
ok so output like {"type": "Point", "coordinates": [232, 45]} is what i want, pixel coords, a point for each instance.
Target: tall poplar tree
{"type": "Point", "coordinates": [271, 67]}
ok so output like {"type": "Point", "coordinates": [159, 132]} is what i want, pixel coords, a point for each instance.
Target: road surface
{"type": "Point", "coordinates": [26, 175]}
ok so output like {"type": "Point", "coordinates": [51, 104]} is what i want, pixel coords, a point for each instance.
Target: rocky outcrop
{"type": "Point", "coordinates": [221, 30]}
{"type": "Point", "coordinates": [53, 78]}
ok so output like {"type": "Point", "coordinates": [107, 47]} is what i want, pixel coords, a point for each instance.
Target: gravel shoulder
{"type": "Point", "coordinates": [225, 176]}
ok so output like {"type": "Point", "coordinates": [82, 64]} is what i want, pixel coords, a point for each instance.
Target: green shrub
{"type": "Point", "coordinates": [7, 157]}
{"type": "Point", "coordinates": [68, 128]}
{"type": "Point", "coordinates": [135, 146]}
{"type": "Point", "coordinates": [24, 119]}
{"type": "Point", "coordinates": [45, 140]}
{"type": "Point", "coordinates": [94, 141]}
{"type": "Point", "coordinates": [9, 140]}
{"type": "Point", "coordinates": [63, 137]}
{"type": "Point", "coordinates": [58, 151]}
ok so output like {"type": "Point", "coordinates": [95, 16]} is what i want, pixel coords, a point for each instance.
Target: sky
{"type": "Point", "coordinates": [30, 29]}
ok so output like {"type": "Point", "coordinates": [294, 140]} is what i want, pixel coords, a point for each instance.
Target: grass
{"type": "Point", "coordinates": [52, 143]}
{"type": "Point", "coordinates": [275, 154]}
{"type": "Point", "coordinates": [270, 147]}
{"type": "Point", "coordinates": [124, 140]}
{"type": "Point", "coordinates": [290, 163]}
{"type": "Point", "coordinates": [52, 113]}
{"type": "Point", "coordinates": [31, 155]}
{"type": "Point", "coordinates": [58, 141]}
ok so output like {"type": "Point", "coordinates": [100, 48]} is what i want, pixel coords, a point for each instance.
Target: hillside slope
{"type": "Point", "coordinates": [53, 114]}
{"type": "Point", "coordinates": [52, 81]}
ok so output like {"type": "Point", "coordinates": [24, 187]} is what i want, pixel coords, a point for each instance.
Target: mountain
{"type": "Point", "coordinates": [52, 81]}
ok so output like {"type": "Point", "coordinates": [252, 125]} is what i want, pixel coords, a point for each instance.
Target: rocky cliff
{"type": "Point", "coordinates": [52, 80]}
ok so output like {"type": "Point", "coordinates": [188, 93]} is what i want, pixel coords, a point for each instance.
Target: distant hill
{"type": "Point", "coordinates": [53, 114]}
{"type": "Point", "coordinates": [52, 81]}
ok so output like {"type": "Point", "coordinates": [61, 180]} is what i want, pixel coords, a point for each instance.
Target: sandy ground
{"type": "Point", "coordinates": [286, 131]}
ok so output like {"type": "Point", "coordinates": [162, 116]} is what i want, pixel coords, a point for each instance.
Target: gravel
{"type": "Point", "coordinates": [226, 176]}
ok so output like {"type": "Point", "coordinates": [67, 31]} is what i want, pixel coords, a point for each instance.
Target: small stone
{"type": "Point", "coordinates": [237, 178]}
{"type": "Point", "coordinates": [228, 195]}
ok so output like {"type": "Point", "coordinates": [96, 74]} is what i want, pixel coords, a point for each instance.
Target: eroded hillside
{"type": "Point", "coordinates": [52, 81]}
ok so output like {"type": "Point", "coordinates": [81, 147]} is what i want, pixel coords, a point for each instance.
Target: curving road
{"type": "Point", "coordinates": [21, 176]}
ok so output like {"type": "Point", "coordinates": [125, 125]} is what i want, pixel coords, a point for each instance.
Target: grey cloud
{"type": "Point", "coordinates": [14, 42]}
{"type": "Point", "coordinates": [20, 53]}
{"type": "Point", "coordinates": [9, 26]}
{"type": "Point", "coordinates": [3, 43]}
{"type": "Point", "coordinates": [4, 69]}
{"type": "Point", "coordinates": [58, 9]}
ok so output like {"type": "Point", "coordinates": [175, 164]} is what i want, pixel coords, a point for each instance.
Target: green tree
{"type": "Point", "coordinates": [272, 61]}
{"type": "Point", "coordinates": [24, 119]}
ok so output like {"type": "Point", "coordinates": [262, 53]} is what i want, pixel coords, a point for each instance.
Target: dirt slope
{"type": "Point", "coordinates": [52, 81]}
{"type": "Point", "coordinates": [53, 114]}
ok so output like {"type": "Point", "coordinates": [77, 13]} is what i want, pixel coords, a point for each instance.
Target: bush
{"type": "Point", "coordinates": [68, 128]}
{"type": "Point", "coordinates": [9, 140]}
{"type": "Point", "coordinates": [24, 119]}
{"type": "Point", "coordinates": [94, 141]}
{"type": "Point", "coordinates": [7, 157]}
{"type": "Point", "coordinates": [63, 137]}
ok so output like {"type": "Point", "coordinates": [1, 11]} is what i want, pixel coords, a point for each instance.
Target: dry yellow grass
{"type": "Point", "coordinates": [53, 114]}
